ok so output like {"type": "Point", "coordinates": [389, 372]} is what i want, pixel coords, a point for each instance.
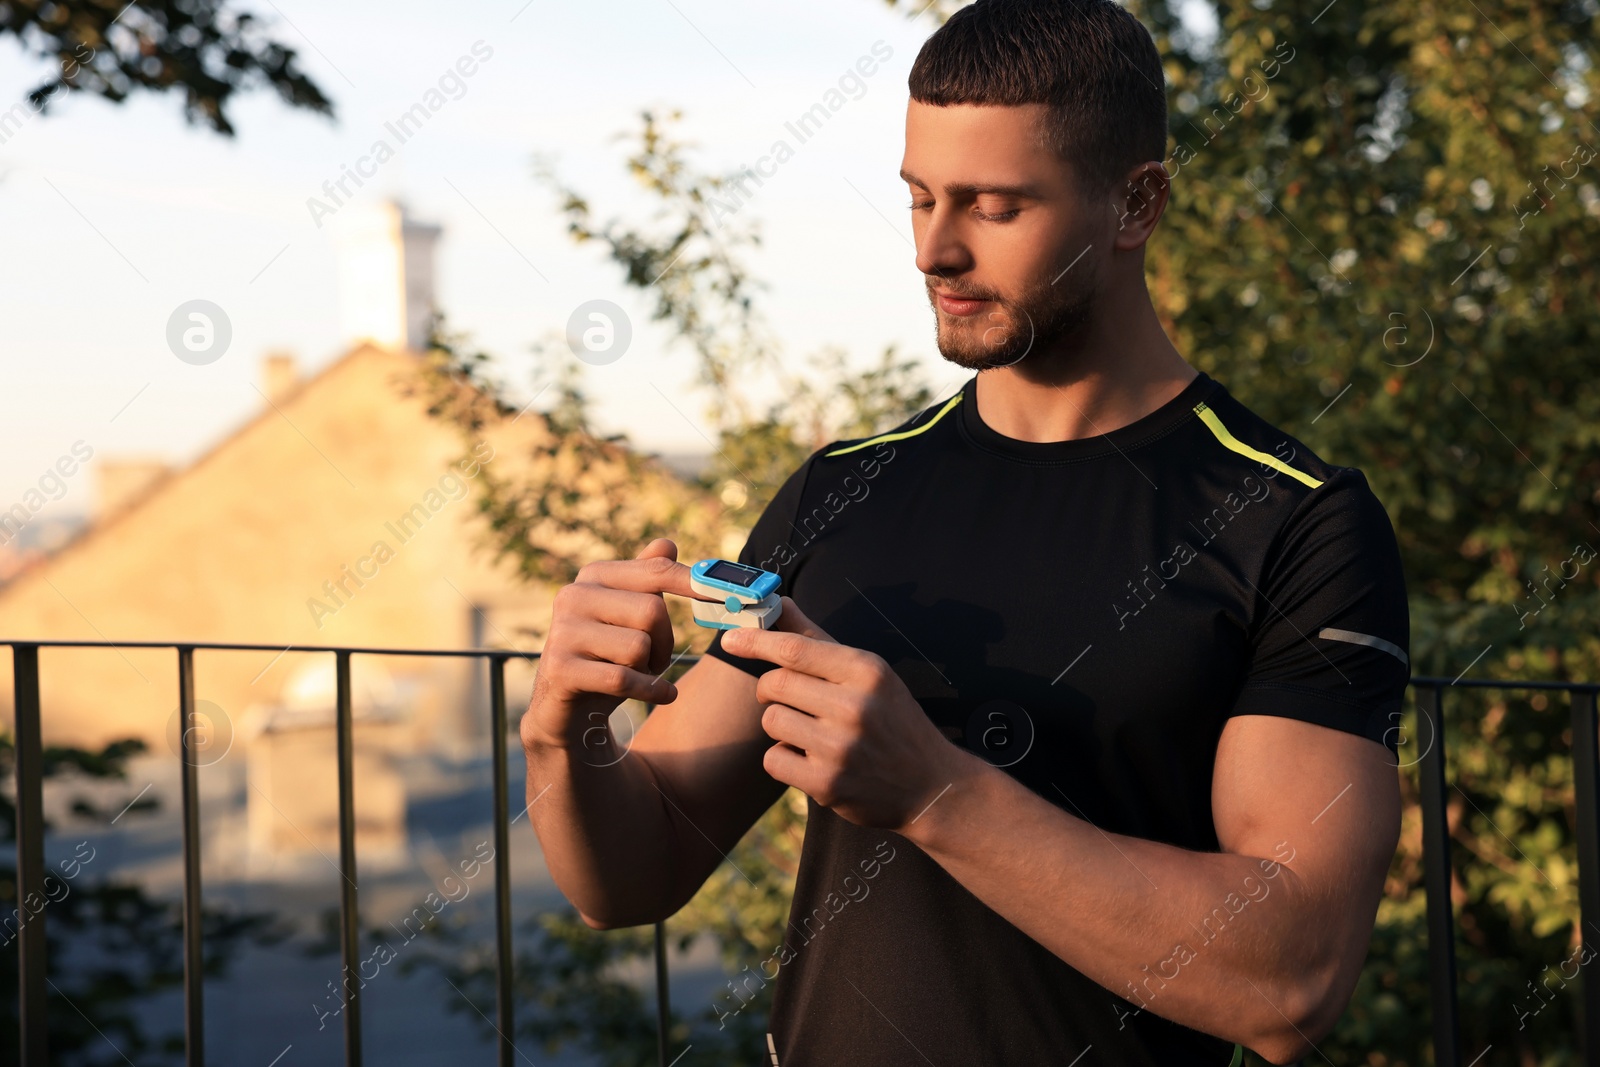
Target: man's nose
{"type": "Point", "coordinates": [940, 250]}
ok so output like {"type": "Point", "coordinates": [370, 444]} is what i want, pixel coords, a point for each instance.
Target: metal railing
{"type": "Point", "coordinates": [30, 843]}
{"type": "Point", "coordinates": [1437, 864]}
{"type": "Point", "coordinates": [1437, 867]}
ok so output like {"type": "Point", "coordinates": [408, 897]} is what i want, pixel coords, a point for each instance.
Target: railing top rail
{"type": "Point", "coordinates": [1427, 682]}
{"type": "Point", "coordinates": [228, 646]}
{"type": "Point", "coordinates": [1424, 681]}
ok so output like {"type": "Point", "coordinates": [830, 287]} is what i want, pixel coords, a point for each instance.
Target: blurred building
{"type": "Point", "coordinates": [24, 543]}
{"type": "Point", "coordinates": [341, 513]}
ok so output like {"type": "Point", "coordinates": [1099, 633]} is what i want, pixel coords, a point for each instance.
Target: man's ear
{"type": "Point", "coordinates": [1139, 202]}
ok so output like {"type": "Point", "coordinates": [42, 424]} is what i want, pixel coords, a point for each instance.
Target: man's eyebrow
{"type": "Point", "coordinates": [1031, 192]}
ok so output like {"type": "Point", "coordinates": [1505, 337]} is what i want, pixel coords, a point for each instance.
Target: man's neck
{"type": "Point", "coordinates": [1087, 385]}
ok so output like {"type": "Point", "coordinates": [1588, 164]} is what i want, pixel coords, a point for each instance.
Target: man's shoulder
{"type": "Point", "coordinates": [837, 466]}
{"type": "Point", "coordinates": [1237, 427]}
{"type": "Point", "coordinates": [925, 425]}
{"type": "Point", "coordinates": [1320, 503]}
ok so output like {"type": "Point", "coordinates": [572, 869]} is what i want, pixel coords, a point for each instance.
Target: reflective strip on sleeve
{"type": "Point", "coordinates": [1332, 634]}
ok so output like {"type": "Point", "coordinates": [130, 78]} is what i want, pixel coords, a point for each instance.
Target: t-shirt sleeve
{"type": "Point", "coordinates": [1331, 643]}
{"type": "Point", "coordinates": [770, 546]}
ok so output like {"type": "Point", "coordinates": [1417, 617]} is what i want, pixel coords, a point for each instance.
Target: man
{"type": "Point", "coordinates": [1091, 676]}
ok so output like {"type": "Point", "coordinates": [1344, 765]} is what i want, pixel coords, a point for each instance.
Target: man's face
{"type": "Point", "coordinates": [1003, 232]}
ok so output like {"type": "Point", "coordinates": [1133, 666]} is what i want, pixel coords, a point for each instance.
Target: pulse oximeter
{"type": "Point", "coordinates": [745, 595]}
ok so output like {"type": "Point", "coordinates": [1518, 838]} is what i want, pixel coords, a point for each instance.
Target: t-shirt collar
{"type": "Point", "coordinates": [1139, 432]}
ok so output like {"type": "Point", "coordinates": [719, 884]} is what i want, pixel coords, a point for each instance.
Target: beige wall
{"type": "Point", "coordinates": [232, 549]}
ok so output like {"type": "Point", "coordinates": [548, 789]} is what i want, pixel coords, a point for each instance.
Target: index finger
{"type": "Point", "coordinates": [796, 621]}
{"type": "Point", "coordinates": [658, 574]}
{"type": "Point", "coordinates": [827, 660]}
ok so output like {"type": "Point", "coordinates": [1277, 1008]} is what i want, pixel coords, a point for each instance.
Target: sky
{"type": "Point", "coordinates": [111, 217]}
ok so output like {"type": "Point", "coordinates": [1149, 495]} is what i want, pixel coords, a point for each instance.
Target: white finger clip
{"type": "Point", "coordinates": [746, 596]}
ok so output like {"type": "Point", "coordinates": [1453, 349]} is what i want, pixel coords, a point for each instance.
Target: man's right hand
{"type": "Point", "coordinates": [610, 640]}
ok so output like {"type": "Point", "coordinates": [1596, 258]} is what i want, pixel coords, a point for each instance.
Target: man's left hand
{"type": "Point", "coordinates": [850, 735]}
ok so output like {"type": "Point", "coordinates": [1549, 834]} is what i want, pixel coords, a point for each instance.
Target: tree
{"type": "Point", "coordinates": [1382, 237]}
{"type": "Point", "coordinates": [205, 49]}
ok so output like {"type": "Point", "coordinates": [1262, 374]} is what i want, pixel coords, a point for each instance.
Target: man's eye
{"type": "Point", "coordinates": [921, 205]}
{"type": "Point", "coordinates": [1002, 216]}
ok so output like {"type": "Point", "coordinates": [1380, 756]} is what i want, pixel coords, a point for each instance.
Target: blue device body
{"type": "Point", "coordinates": [741, 581]}
{"type": "Point", "coordinates": [749, 594]}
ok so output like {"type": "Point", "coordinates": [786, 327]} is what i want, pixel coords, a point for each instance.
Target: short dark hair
{"type": "Point", "coordinates": [1089, 61]}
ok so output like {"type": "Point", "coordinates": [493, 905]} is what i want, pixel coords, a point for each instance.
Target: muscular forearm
{"type": "Point", "coordinates": [622, 841]}
{"type": "Point", "coordinates": [605, 829]}
{"type": "Point", "coordinates": [1222, 943]}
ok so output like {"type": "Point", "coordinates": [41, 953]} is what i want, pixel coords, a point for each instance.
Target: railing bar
{"type": "Point", "coordinates": [1503, 683]}
{"type": "Point", "coordinates": [349, 920]}
{"type": "Point", "coordinates": [1586, 789]}
{"type": "Point", "coordinates": [503, 958]}
{"type": "Point", "coordinates": [31, 1008]}
{"type": "Point", "coordinates": [1421, 681]}
{"type": "Point", "coordinates": [1437, 868]}
{"type": "Point", "coordinates": [194, 1022]}
{"type": "Point", "coordinates": [663, 1009]}
{"type": "Point", "coordinates": [663, 998]}
{"type": "Point", "coordinates": [236, 647]}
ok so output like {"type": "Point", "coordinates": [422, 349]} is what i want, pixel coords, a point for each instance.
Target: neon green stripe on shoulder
{"type": "Point", "coordinates": [1232, 443]}
{"type": "Point", "coordinates": [1238, 1056]}
{"type": "Point", "coordinates": [903, 434]}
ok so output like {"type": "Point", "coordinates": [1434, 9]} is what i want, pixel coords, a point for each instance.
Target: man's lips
{"type": "Point", "coordinates": [958, 305]}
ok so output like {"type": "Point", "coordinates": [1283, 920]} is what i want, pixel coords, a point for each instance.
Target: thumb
{"type": "Point", "coordinates": [661, 546]}
{"type": "Point", "coordinates": [796, 621]}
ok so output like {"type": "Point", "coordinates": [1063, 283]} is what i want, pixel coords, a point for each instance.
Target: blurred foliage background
{"type": "Point", "coordinates": [1382, 237]}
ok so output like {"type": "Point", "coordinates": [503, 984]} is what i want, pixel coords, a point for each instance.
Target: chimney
{"type": "Point", "coordinates": [119, 479]}
{"type": "Point", "coordinates": [386, 276]}
{"type": "Point", "coordinates": [278, 375]}
{"type": "Point", "coordinates": [418, 240]}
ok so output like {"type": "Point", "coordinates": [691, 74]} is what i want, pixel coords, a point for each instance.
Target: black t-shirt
{"type": "Point", "coordinates": [1086, 614]}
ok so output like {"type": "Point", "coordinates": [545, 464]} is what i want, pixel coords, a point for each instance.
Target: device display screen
{"type": "Point", "coordinates": [733, 573]}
